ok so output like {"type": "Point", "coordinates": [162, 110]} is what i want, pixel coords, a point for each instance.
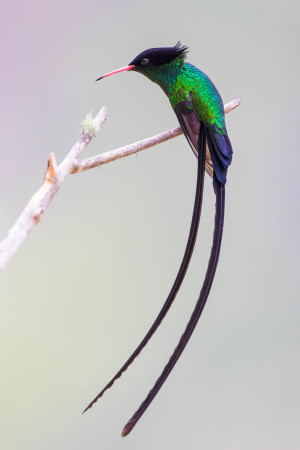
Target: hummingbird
{"type": "Point", "coordinates": [200, 112]}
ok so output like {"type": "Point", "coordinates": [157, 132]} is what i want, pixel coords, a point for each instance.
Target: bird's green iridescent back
{"type": "Point", "coordinates": [192, 84]}
{"type": "Point", "coordinates": [181, 81]}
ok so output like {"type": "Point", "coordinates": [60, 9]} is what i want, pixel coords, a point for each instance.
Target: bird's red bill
{"type": "Point", "coordinates": [115, 71]}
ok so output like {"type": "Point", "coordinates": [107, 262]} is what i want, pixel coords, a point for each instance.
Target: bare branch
{"type": "Point", "coordinates": [104, 158]}
{"type": "Point", "coordinates": [56, 175]}
{"type": "Point", "coordinates": [54, 178]}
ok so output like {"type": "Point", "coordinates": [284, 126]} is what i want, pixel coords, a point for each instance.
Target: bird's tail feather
{"type": "Point", "coordinates": [211, 269]}
{"type": "Point", "coordinates": [220, 152]}
{"type": "Point", "coordinates": [183, 267]}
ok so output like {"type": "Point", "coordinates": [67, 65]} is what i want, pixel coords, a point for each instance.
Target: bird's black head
{"type": "Point", "coordinates": [150, 61]}
{"type": "Point", "coordinates": [159, 56]}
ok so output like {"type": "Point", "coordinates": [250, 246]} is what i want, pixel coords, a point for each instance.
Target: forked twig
{"type": "Point", "coordinates": [56, 175]}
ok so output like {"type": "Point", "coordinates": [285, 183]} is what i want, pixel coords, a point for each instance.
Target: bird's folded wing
{"type": "Point", "coordinates": [190, 124]}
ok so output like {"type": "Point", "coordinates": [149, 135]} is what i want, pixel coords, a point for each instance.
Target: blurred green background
{"type": "Point", "coordinates": [87, 283]}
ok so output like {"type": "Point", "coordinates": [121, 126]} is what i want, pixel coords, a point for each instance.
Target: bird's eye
{"type": "Point", "coordinates": [144, 61]}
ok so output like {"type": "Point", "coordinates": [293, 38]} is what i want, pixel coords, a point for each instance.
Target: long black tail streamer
{"type": "Point", "coordinates": [182, 270]}
{"type": "Point", "coordinates": [211, 269]}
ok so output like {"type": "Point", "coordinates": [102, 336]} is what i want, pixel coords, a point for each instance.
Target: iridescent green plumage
{"type": "Point", "coordinates": [182, 81]}
{"type": "Point", "coordinates": [193, 83]}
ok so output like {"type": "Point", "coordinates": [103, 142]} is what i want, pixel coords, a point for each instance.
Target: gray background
{"type": "Point", "coordinates": [87, 283]}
